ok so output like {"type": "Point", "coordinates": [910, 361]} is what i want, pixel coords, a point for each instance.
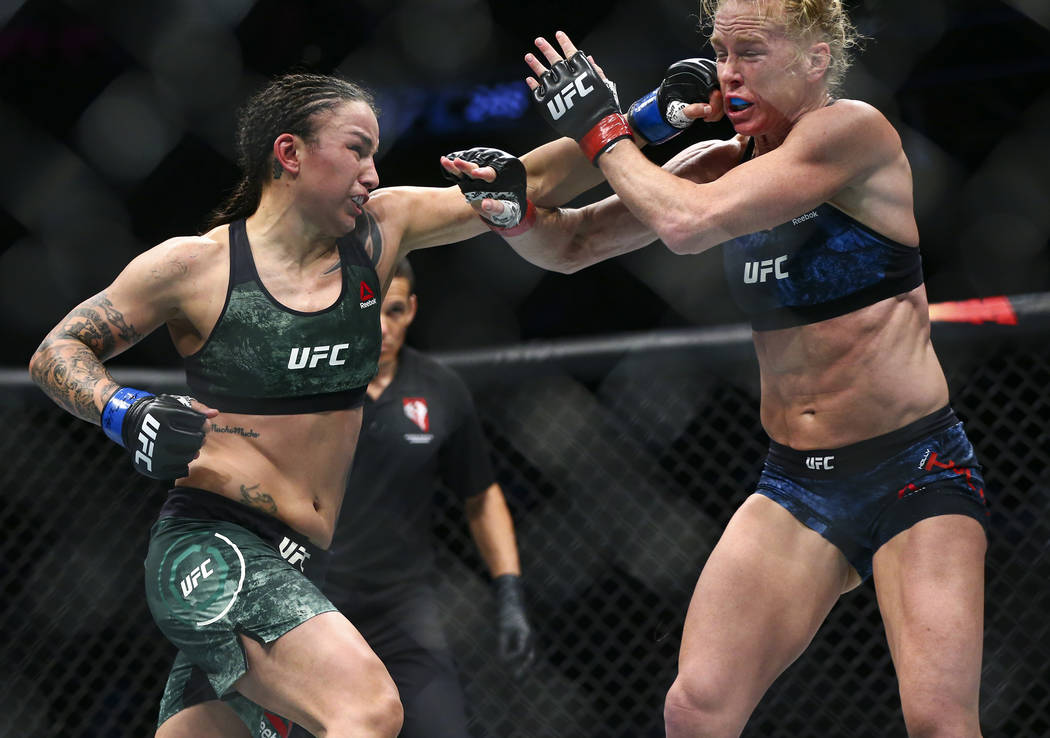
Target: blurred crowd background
{"type": "Point", "coordinates": [117, 118]}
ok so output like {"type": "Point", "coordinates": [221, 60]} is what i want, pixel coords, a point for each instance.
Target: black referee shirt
{"type": "Point", "coordinates": [423, 429]}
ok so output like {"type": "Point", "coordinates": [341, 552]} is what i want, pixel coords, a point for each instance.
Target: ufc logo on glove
{"type": "Point", "coordinates": [562, 102]}
{"type": "Point", "coordinates": [148, 434]}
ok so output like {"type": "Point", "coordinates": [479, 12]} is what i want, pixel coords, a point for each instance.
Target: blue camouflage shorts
{"type": "Point", "coordinates": [860, 496]}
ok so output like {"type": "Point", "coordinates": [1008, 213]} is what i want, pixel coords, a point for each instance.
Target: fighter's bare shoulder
{"type": "Point", "coordinates": [854, 124]}
{"type": "Point", "coordinates": [176, 272]}
{"type": "Point", "coordinates": [182, 256]}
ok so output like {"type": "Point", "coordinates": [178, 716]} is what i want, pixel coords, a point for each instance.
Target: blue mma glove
{"type": "Point", "coordinates": [657, 116]}
{"type": "Point", "coordinates": [161, 432]}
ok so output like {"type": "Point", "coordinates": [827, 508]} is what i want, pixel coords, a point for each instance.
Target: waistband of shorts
{"type": "Point", "coordinates": [835, 462]}
{"type": "Point", "coordinates": [201, 504]}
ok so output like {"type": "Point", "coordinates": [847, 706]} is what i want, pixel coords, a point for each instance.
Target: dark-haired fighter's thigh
{"type": "Point", "coordinates": [323, 675]}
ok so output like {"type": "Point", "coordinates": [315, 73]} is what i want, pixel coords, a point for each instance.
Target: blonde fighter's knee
{"type": "Point", "coordinates": [699, 711]}
{"type": "Point", "coordinates": [939, 716]}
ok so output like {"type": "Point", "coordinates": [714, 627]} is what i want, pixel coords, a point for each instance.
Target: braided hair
{"type": "Point", "coordinates": [289, 104]}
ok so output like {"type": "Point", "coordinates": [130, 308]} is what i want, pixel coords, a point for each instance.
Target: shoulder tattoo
{"type": "Point", "coordinates": [366, 234]}
{"type": "Point", "coordinates": [372, 237]}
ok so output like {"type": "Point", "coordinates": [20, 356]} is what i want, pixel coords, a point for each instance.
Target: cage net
{"type": "Point", "coordinates": [619, 478]}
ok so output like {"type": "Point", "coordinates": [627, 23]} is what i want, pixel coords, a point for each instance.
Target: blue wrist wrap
{"type": "Point", "coordinates": [114, 411]}
{"type": "Point", "coordinates": [647, 120]}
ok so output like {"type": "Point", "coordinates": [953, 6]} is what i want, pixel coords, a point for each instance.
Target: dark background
{"type": "Point", "coordinates": [117, 123]}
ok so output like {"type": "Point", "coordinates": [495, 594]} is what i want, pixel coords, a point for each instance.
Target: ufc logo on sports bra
{"type": "Point", "coordinates": [758, 271]}
{"type": "Point", "coordinates": [560, 103]}
{"type": "Point", "coordinates": [311, 356]}
{"type": "Point", "coordinates": [820, 462]}
{"type": "Point", "coordinates": [293, 553]}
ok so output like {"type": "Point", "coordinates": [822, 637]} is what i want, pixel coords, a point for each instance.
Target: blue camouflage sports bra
{"type": "Point", "coordinates": [817, 266]}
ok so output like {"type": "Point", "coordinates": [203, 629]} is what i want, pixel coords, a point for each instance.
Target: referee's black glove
{"type": "Point", "coordinates": [517, 643]}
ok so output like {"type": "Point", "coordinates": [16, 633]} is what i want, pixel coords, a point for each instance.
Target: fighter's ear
{"type": "Point", "coordinates": [285, 155]}
{"type": "Point", "coordinates": [818, 59]}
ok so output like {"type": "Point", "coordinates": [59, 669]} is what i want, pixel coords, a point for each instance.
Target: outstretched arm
{"type": "Point", "coordinates": [569, 239]}
{"type": "Point", "coordinates": [410, 218]}
{"type": "Point", "coordinates": [555, 173]}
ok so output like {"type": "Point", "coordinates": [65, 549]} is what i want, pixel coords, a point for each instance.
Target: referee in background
{"type": "Point", "coordinates": [420, 427]}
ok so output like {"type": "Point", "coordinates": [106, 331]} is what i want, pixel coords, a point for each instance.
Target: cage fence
{"type": "Point", "coordinates": [621, 462]}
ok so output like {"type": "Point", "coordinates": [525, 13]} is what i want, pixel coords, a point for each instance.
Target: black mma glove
{"type": "Point", "coordinates": [161, 432]}
{"type": "Point", "coordinates": [578, 103]}
{"type": "Point", "coordinates": [516, 641]}
{"type": "Point", "coordinates": [508, 187]}
{"type": "Point", "coordinates": [658, 116]}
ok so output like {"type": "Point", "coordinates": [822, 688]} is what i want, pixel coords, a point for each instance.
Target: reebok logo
{"type": "Point", "coordinates": [922, 461]}
{"type": "Point", "coordinates": [562, 102]}
{"type": "Point", "coordinates": [293, 553]}
{"type": "Point", "coordinates": [804, 218]}
{"type": "Point", "coordinates": [758, 271]}
{"type": "Point", "coordinates": [191, 580]}
{"type": "Point", "coordinates": [820, 462]}
{"type": "Point", "coordinates": [368, 298]}
{"type": "Point", "coordinates": [147, 435]}
{"type": "Point", "coordinates": [314, 355]}
{"type": "Point", "coordinates": [271, 726]}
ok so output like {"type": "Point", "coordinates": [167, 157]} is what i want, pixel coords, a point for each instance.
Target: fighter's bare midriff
{"type": "Point", "coordinates": [293, 467]}
{"type": "Point", "coordinates": [850, 378]}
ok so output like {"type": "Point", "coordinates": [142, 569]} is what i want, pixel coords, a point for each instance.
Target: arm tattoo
{"type": "Point", "coordinates": [68, 363]}
{"type": "Point", "coordinates": [70, 374]}
{"type": "Point", "coordinates": [259, 499]}
{"type": "Point", "coordinates": [93, 323]}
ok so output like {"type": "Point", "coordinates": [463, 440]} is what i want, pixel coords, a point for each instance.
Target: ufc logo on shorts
{"type": "Point", "coordinates": [820, 462]}
{"type": "Point", "coordinates": [293, 553]}
{"type": "Point", "coordinates": [191, 580]}
{"type": "Point", "coordinates": [560, 103]}
{"type": "Point", "coordinates": [147, 435]}
{"type": "Point", "coordinates": [314, 355]}
{"type": "Point", "coordinates": [757, 271]}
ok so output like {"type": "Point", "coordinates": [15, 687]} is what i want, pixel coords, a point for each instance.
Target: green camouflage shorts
{"type": "Point", "coordinates": [209, 580]}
